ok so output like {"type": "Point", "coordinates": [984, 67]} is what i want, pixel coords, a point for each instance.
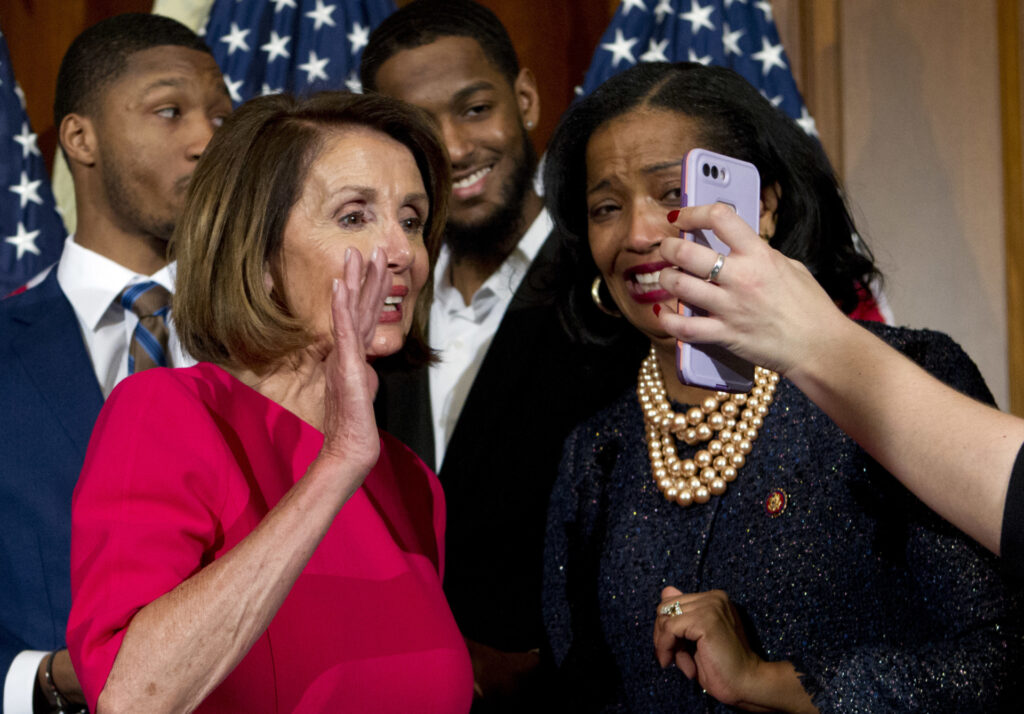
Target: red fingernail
{"type": "Point", "coordinates": [673, 215]}
{"type": "Point", "coordinates": [657, 309]}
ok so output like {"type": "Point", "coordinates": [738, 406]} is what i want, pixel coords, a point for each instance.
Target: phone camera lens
{"type": "Point", "coordinates": [714, 172]}
{"type": "Point", "coordinates": [707, 169]}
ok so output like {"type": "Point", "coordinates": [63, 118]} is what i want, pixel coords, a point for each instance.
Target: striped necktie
{"type": "Point", "coordinates": [150, 302]}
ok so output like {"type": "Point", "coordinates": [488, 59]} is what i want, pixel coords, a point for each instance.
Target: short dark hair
{"type": "Point", "coordinates": [239, 199]}
{"type": "Point", "coordinates": [424, 21]}
{"type": "Point", "coordinates": [99, 56]}
{"type": "Point", "coordinates": [813, 224]}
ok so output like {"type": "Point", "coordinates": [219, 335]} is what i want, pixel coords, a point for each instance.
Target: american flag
{"type": "Point", "coordinates": [31, 232]}
{"type": "Point", "coordinates": [298, 46]}
{"type": "Point", "coordinates": [739, 34]}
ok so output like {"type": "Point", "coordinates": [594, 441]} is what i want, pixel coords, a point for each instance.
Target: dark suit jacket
{"type": "Point", "coordinates": [533, 386]}
{"type": "Point", "coordinates": [49, 401]}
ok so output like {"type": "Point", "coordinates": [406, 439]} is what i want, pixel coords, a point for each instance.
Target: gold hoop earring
{"type": "Point", "coordinates": [595, 295]}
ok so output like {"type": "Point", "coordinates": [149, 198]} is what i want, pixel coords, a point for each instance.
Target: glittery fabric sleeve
{"type": "Point", "coordinates": [975, 658]}
{"type": "Point", "coordinates": [967, 668]}
{"type": "Point", "coordinates": [588, 678]}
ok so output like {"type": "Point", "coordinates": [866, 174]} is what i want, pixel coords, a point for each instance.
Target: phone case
{"type": "Point", "coordinates": [709, 177]}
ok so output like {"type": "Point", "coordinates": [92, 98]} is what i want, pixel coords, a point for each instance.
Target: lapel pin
{"type": "Point", "coordinates": [776, 503]}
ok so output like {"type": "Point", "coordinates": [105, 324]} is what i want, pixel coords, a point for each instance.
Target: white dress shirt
{"type": "Point", "coordinates": [462, 333]}
{"type": "Point", "coordinates": [92, 283]}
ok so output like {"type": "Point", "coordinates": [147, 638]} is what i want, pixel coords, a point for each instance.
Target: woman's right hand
{"type": "Point", "coordinates": [703, 635]}
{"type": "Point", "coordinates": [762, 306]}
{"type": "Point", "coordinates": [350, 430]}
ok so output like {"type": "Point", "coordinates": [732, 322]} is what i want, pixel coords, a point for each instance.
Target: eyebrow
{"type": "Point", "coordinates": [464, 93]}
{"type": "Point", "coordinates": [371, 193]}
{"type": "Point", "coordinates": [655, 168]}
{"type": "Point", "coordinates": [177, 83]}
{"type": "Point", "coordinates": [647, 170]}
{"type": "Point", "coordinates": [174, 82]}
{"type": "Point", "coordinates": [368, 191]}
{"type": "Point", "coordinates": [598, 186]}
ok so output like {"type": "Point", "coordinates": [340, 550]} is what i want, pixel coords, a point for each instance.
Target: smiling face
{"type": "Point", "coordinates": [364, 191]}
{"type": "Point", "coordinates": [152, 125]}
{"type": "Point", "coordinates": [633, 181]}
{"type": "Point", "coordinates": [482, 120]}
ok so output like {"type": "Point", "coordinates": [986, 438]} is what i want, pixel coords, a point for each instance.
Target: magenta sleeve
{"type": "Point", "coordinates": [144, 513]}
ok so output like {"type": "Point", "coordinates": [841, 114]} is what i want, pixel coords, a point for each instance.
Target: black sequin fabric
{"type": "Point", "coordinates": [881, 605]}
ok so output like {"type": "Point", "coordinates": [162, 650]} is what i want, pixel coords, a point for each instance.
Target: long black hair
{"type": "Point", "coordinates": [813, 224]}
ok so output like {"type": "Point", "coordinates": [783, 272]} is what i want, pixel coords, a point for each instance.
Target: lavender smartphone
{"type": "Point", "coordinates": [713, 178]}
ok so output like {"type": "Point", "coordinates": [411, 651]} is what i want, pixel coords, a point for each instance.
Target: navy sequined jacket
{"type": "Point", "coordinates": [878, 602]}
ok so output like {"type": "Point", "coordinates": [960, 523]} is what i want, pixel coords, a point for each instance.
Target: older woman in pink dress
{"type": "Point", "coordinates": [244, 539]}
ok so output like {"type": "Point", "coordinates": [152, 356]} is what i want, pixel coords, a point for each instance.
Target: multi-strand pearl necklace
{"type": "Point", "coordinates": [728, 422]}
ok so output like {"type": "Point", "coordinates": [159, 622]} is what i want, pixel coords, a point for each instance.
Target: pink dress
{"type": "Point", "coordinates": [182, 465]}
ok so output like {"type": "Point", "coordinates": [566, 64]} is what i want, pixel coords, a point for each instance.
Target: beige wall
{"type": "Point", "coordinates": [922, 164]}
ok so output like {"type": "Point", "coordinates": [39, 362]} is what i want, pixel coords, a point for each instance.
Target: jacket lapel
{"type": "Point", "coordinates": [52, 353]}
{"type": "Point", "coordinates": [538, 285]}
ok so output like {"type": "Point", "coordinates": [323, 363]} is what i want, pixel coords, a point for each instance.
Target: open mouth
{"type": "Point", "coordinates": [471, 185]}
{"type": "Point", "coordinates": [392, 311]}
{"type": "Point", "coordinates": [642, 281]}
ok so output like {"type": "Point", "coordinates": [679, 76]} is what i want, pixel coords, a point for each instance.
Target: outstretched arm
{"type": "Point", "coordinates": [953, 452]}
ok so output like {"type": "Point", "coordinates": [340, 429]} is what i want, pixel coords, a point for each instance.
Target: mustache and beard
{"type": "Point", "coordinates": [490, 241]}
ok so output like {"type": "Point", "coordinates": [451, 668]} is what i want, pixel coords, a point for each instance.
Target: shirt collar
{"type": "Point", "coordinates": [533, 239]}
{"type": "Point", "coordinates": [92, 282]}
{"type": "Point", "coordinates": [504, 280]}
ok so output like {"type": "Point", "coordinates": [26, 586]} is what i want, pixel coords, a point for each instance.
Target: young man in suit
{"type": "Point", "coordinates": [138, 98]}
{"type": "Point", "coordinates": [492, 414]}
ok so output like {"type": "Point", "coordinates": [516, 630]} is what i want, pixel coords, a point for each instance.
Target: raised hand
{"type": "Point", "coordinates": [350, 431]}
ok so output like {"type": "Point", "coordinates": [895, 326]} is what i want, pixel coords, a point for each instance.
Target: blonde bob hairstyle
{"type": "Point", "coordinates": [239, 199]}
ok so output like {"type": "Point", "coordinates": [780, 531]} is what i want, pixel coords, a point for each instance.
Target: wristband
{"type": "Point", "coordinates": [52, 693]}
{"type": "Point", "coordinates": [58, 704]}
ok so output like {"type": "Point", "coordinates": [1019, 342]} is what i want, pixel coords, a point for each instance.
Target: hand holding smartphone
{"type": "Point", "coordinates": [709, 177]}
